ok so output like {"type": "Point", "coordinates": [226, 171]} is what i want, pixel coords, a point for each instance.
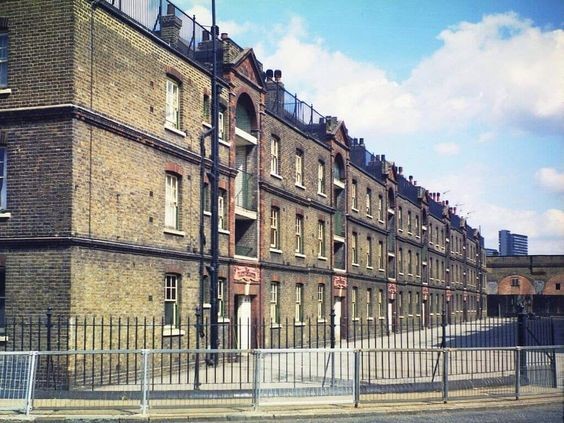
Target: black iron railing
{"type": "Point", "coordinates": [168, 22]}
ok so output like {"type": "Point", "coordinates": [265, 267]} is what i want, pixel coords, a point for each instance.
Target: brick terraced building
{"type": "Point", "coordinates": [101, 115]}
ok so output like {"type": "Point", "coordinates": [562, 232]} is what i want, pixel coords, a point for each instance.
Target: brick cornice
{"type": "Point", "coordinates": [366, 225]}
{"type": "Point", "coordinates": [62, 111]}
{"type": "Point", "coordinates": [295, 199]}
{"type": "Point", "coordinates": [101, 244]}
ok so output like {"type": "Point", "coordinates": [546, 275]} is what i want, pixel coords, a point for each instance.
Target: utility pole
{"type": "Point", "coordinates": [212, 359]}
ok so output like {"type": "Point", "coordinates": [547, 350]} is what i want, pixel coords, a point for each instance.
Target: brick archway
{"type": "Point", "coordinates": [553, 283]}
{"type": "Point", "coordinates": [507, 286]}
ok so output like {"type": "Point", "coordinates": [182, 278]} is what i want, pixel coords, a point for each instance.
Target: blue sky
{"type": "Point", "coordinates": [467, 96]}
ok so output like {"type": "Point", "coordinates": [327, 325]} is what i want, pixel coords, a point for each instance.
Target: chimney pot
{"type": "Point", "coordinates": [170, 9]}
{"type": "Point", "coordinates": [224, 35]}
{"type": "Point", "coordinates": [438, 196]}
{"type": "Point", "coordinates": [415, 183]}
{"type": "Point", "coordinates": [277, 75]}
{"type": "Point", "coordinates": [411, 179]}
{"type": "Point", "coordinates": [361, 140]}
{"type": "Point", "coordinates": [269, 74]}
{"type": "Point", "coordinates": [400, 170]}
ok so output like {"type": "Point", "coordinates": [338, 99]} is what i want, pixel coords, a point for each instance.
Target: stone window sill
{"type": "Point", "coordinates": [275, 250]}
{"type": "Point", "coordinates": [300, 186]}
{"type": "Point", "coordinates": [275, 175]}
{"type": "Point", "coordinates": [174, 232]}
{"type": "Point", "coordinates": [5, 215]}
{"type": "Point", "coordinates": [5, 91]}
{"type": "Point", "coordinates": [322, 194]}
{"type": "Point", "coordinates": [174, 130]}
{"type": "Point", "coordinates": [172, 331]}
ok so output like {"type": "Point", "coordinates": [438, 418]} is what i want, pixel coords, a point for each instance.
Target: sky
{"type": "Point", "coordinates": [466, 96]}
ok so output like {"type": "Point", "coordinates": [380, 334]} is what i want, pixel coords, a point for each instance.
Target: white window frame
{"type": "Point", "coordinates": [299, 234]}
{"type": "Point", "coordinates": [321, 182]}
{"type": "Point", "coordinates": [222, 298]}
{"type": "Point", "coordinates": [380, 302]}
{"type": "Point", "coordinates": [274, 303]}
{"type": "Point", "coordinates": [3, 177]}
{"type": "Point", "coordinates": [369, 202]}
{"type": "Point", "coordinates": [354, 195]}
{"type": "Point", "coordinates": [354, 248]}
{"type": "Point", "coordinates": [380, 207]}
{"type": "Point", "coordinates": [381, 259]}
{"type": "Point", "coordinates": [4, 50]}
{"type": "Point", "coordinates": [321, 241]}
{"type": "Point", "coordinates": [172, 118]}
{"type": "Point", "coordinates": [369, 263]}
{"type": "Point", "coordinates": [320, 302]}
{"type": "Point", "coordinates": [275, 228]}
{"type": "Point", "coordinates": [400, 261]}
{"type": "Point", "coordinates": [299, 312]}
{"type": "Point", "coordinates": [171, 299]}
{"type": "Point", "coordinates": [354, 305]}
{"type": "Point", "coordinates": [222, 209]}
{"type": "Point", "coordinates": [299, 165]}
{"type": "Point", "coordinates": [369, 305]}
{"type": "Point", "coordinates": [172, 184]}
{"type": "Point", "coordinates": [220, 125]}
{"type": "Point", "coordinates": [275, 156]}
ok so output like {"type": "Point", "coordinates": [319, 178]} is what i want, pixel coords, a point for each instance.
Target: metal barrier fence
{"type": "Point", "coordinates": [61, 333]}
{"type": "Point", "coordinates": [157, 379]}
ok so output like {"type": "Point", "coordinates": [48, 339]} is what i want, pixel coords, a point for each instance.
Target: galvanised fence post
{"type": "Point", "coordinates": [445, 375]}
{"type": "Point", "coordinates": [257, 358]}
{"type": "Point", "coordinates": [517, 373]}
{"type": "Point", "coordinates": [145, 381]}
{"type": "Point", "coordinates": [32, 364]}
{"type": "Point", "coordinates": [356, 381]}
{"type": "Point", "coordinates": [522, 342]}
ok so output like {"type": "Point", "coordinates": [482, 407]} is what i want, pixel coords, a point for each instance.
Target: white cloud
{"type": "Point", "coordinates": [447, 148]}
{"type": "Point", "coordinates": [544, 228]}
{"type": "Point", "coordinates": [486, 137]}
{"type": "Point", "coordinates": [204, 18]}
{"type": "Point", "coordinates": [550, 179]}
{"type": "Point", "coordinates": [499, 72]}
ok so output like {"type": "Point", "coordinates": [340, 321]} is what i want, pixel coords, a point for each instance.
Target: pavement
{"type": "Point", "coordinates": [412, 411]}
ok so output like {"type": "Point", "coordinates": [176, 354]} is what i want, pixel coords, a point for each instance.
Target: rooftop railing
{"type": "Point", "coordinates": [168, 22]}
{"type": "Point", "coordinates": [290, 108]}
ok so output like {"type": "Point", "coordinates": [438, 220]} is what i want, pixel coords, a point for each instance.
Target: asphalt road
{"type": "Point", "coordinates": [518, 414]}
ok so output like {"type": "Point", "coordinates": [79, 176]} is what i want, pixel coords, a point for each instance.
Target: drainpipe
{"type": "Point", "coordinates": [212, 360]}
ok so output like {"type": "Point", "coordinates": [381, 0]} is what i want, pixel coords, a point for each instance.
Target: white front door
{"type": "Point", "coordinates": [244, 322]}
{"type": "Point", "coordinates": [337, 309]}
{"type": "Point", "coordinates": [390, 315]}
